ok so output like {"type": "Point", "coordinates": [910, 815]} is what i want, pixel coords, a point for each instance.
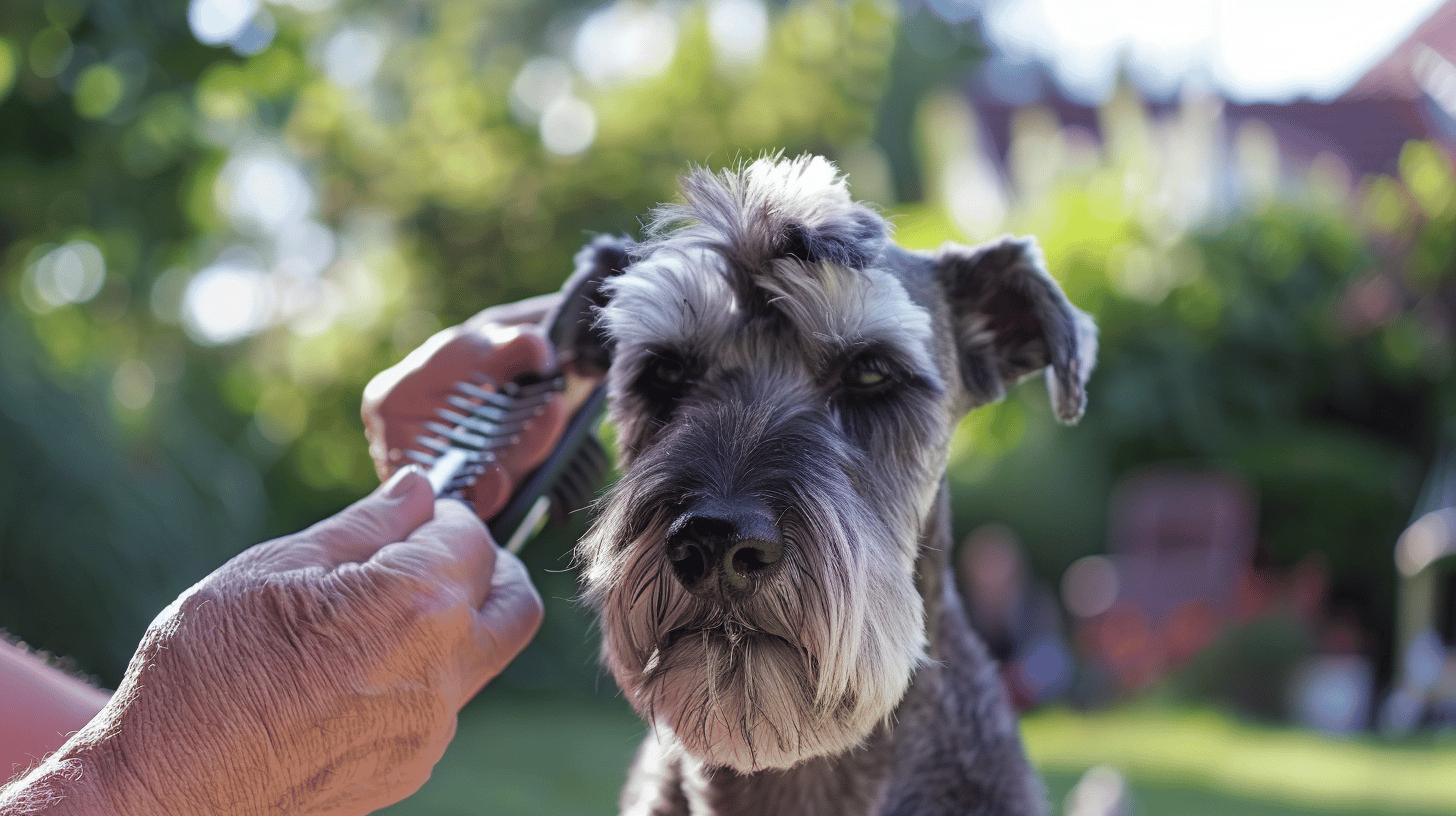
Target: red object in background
{"type": "Point", "coordinates": [1183, 546]}
{"type": "Point", "coordinates": [1189, 630]}
{"type": "Point", "coordinates": [1126, 644]}
{"type": "Point", "coordinates": [40, 708]}
{"type": "Point", "coordinates": [1180, 536]}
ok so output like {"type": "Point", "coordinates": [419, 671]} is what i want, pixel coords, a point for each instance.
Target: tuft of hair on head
{"type": "Point", "coordinates": [770, 209]}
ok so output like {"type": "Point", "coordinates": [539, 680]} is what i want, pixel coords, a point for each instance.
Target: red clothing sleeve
{"type": "Point", "coordinates": [40, 706]}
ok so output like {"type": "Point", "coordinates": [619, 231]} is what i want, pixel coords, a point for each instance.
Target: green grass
{"type": "Point", "coordinates": [1197, 762]}
{"type": "Point", "coordinates": [532, 756]}
{"type": "Point", "coordinates": [547, 756]}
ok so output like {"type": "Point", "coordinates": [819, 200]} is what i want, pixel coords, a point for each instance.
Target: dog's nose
{"type": "Point", "coordinates": [723, 547]}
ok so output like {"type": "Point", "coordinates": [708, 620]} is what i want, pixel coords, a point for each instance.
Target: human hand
{"type": "Point", "coordinates": [496, 343]}
{"type": "Point", "coordinates": [317, 673]}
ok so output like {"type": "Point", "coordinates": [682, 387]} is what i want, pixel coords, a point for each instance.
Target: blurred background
{"type": "Point", "coordinates": [1229, 590]}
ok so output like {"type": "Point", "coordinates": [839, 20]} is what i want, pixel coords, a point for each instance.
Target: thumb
{"type": "Point", "coordinates": [389, 514]}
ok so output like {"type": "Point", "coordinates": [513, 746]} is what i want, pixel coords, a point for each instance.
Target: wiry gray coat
{"type": "Point", "coordinates": [776, 355]}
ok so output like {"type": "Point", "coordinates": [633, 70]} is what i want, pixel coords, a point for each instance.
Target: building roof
{"type": "Point", "coordinates": [1366, 133]}
{"type": "Point", "coordinates": [1395, 75]}
{"type": "Point", "coordinates": [1409, 94]}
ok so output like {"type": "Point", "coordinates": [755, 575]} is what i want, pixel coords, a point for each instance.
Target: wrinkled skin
{"type": "Point", "coordinates": [322, 672]}
{"type": "Point", "coordinates": [319, 673]}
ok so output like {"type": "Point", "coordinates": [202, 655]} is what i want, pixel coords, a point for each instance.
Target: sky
{"type": "Point", "coordinates": [1265, 50]}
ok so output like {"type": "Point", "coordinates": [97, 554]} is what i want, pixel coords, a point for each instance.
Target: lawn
{"type": "Point", "coordinates": [1191, 763]}
{"type": "Point", "coordinates": [548, 756]}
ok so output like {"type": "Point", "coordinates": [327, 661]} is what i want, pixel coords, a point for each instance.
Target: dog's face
{"type": "Point", "coordinates": [784, 384]}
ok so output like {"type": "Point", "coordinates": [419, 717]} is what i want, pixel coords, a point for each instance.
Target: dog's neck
{"type": "Point", "coordinates": [854, 782]}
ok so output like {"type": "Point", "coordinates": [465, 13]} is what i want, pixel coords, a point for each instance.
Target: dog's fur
{"type": "Point", "coordinates": [846, 680]}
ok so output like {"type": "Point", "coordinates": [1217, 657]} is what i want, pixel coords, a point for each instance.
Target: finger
{"type": "Point", "coordinates": [489, 490]}
{"type": "Point", "coordinates": [505, 353]}
{"type": "Point", "coordinates": [508, 620]}
{"type": "Point", "coordinates": [389, 380]}
{"type": "Point", "coordinates": [453, 550]}
{"type": "Point", "coordinates": [530, 310]}
{"type": "Point", "coordinates": [391, 513]}
{"type": "Point", "coordinates": [399, 402]}
{"type": "Point", "coordinates": [401, 399]}
{"type": "Point", "coordinates": [534, 441]}
{"type": "Point", "coordinates": [538, 435]}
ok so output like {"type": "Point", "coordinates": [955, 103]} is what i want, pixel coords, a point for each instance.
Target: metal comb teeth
{"type": "Point", "coordinates": [577, 483]}
{"type": "Point", "coordinates": [478, 422]}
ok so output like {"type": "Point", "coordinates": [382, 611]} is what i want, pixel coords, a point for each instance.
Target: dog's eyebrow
{"type": "Point", "coordinates": [835, 309]}
{"type": "Point", "coordinates": [674, 298]}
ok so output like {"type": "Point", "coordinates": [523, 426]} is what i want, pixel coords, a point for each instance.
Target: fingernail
{"type": "Point", "coordinates": [400, 484]}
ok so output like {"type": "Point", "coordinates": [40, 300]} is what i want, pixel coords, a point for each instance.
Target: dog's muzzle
{"type": "Point", "coordinates": [724, 548]}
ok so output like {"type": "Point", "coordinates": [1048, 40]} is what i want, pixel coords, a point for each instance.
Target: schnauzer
{"type": "Point", "coordinates": [770, 571]}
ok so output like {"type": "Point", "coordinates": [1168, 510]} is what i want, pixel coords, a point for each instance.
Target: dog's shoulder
{"type": "Point", "coordinates": [957, 745]}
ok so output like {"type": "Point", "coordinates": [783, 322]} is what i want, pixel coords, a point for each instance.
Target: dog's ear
{"type": "Point", "coordinates": [583, 297]}
{"type": "Point", "coordinates": [1011, 320]}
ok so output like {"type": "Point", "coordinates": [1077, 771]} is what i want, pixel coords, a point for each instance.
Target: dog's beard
{"type": "Point", "coordinates": [808, 666]}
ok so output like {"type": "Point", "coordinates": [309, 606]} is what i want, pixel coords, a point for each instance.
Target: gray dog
{"type": "Point", "coordinates": [771, 570]}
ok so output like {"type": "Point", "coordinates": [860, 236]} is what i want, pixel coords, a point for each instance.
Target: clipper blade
{"type": "Point", "coordinates": [577, 484]}
{"type": "Point", "coordinates": [479, 420]}
{"type": "Point", "coordinates": [565, 482]}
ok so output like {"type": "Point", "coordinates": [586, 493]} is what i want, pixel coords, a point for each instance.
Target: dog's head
{"type": "Point", "coordinates": [784, 384]}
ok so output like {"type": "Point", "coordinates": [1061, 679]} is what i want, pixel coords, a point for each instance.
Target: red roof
{"type": "Point", "coordinates": [1366, 133]}
{"type": "Point", "coordinates": [1393, 77]}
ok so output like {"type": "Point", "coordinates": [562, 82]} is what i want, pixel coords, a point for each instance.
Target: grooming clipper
{"type": "Point", "coordinates": [483, 417]}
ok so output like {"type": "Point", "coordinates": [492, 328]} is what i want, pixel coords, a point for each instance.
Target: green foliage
{"type": "Point", "coordinates": [1293, 343]}
{"type": "Point", "coordinates": [345, 207]}
{"type": "Point", "coordinates": [425, 194]}
{"type": "Point", "coordinates": [97, 535]}
{"type": "Point", "coordinates": [1249, 668]}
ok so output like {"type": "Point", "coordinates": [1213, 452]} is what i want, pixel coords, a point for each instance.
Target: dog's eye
{"type": "Point", "coordinates": [669, 371]}
{"type": "Point", "coordinates": [867, 374]}
{"type": "Point", "coordinates": [665, 375]}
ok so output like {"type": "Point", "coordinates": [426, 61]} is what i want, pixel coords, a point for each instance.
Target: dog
{"type": "Point", "coordinates": [770, 572]}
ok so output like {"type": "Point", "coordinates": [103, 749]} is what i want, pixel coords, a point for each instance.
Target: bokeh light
{"type": "Point", "coordinates": [71, 273]}
{"type": "Point", "coordinates": [262, 189]}
{"type": "Point", "coordinates": [540, 82]}
{"type": "Point", "coordinates": [626, 40]}
{"type": "Point", "coordinates": [216, 22]}
{"type": "Point", "coordinates": [133, 385]}
{"type": "Point", "coordinates": [1090, 586]}
{"type": "Point", "coordinates": [568, 126]}
{"type": "Point", "coordinates": [228, 300]}
{"type": "Point", "coordinates": [738, 30]}
{"type": "Point", "coordinates": [351, 56]}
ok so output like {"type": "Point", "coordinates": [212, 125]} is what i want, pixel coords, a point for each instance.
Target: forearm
{"type": "Point", "coordinates": [54, 787]}
{"type": "Point", "coordinates": [57, 748]}
{"type": "Point", "coordinates": [84, 778]}
{"type": "Point", "coordinates": [41, 705]}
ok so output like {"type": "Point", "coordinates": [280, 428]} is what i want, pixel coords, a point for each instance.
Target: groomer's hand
{"type": "Point", "coordinates": [318, 673]}
{"type": "Point", "coordinates": [501, 343]}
